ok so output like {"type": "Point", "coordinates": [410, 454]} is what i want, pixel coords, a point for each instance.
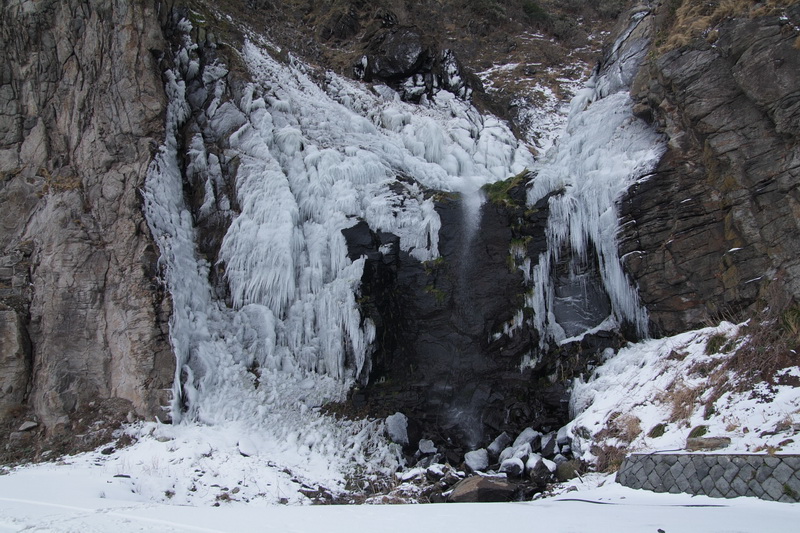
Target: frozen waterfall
{"type": "Point", "coordinates": [313, 159]}
{"type": "Point", "coordinates": [603, 151]}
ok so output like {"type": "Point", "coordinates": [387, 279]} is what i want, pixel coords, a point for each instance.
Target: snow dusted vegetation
{"type": "Point", "coordinates": [650, 397]}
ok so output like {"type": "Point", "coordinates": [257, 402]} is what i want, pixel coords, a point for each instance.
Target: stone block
{"type": "Point", "coordinates": [792, 486]}
{"type": "Point", "coordinates": [661, 469]}
{"type": "Point", "coordinates": [731, 472]}
{"type": "Point", "coordinates": [715, 493]}
{"type": "Point", "coordinates": [755, 488]}
{"type": "Point", "coordinates": [722, 485]}
{"type": "Point", "coordinates": [689, 470]}
{"type": "Point", "coordinates": [782, 472]}
{"type": "Point", "coordinates": [684, 459]}
{"type": "Point", "coordinates": [771, 462]}
{"type": "Point", "coordinates": [763, 473]}
{"type": "Point", "coordinates": [793, 461]}
{"type": "Point", "coordinates": [707, 484]}
{"type": "Point", "coordinates": [716, 471]}
{"type": "Point", "coordinates": [755, 461]}
{"type": "Point", "coordinates": [773, 489]}
{"type": "Point", "coordinates": [676, 470]}
{"type": "Point", "coordinates": [669, 459]}
{"type": "Point", "coordinates": [641, 478]}
{"type": "Point", "coordinates": [746, 472]}
{"type": "Point", "coordinates": [683, 484]}
{"type": "Point", "coordinates": [739, 487]}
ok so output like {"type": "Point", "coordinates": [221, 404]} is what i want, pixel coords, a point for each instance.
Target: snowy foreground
{"type": "Point", "coordinates": [190, 477]}
{"type": "Point", "coordinates": [85, 498]}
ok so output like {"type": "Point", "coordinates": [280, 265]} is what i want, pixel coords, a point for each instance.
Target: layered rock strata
{"type": "Point", "coordinates": [83, 106]}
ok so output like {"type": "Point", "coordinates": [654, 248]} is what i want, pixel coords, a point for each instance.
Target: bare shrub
{"type": "Point", "coordinates": [682, 400]}
{"type": "Point", "coordinates": [609, 458]}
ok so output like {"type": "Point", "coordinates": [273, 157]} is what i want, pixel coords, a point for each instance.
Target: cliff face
{"type": "Point", "coordinates": [718, 220]}
{"type": "Point", "coordinates": [84, 318]}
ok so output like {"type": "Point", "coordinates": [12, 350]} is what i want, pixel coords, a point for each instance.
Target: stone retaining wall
{"type": "Point", "coordinates": [769, 477]}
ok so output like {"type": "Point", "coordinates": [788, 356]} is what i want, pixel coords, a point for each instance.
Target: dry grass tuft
{"type": "Point", "coordinates": [624, 428]}
{"type": "Point", "coordinates": [609, 458]}
{"type": "Point", "coordinates": [694, 19]}
{"type": "Point", "coordinates": [683, 401]}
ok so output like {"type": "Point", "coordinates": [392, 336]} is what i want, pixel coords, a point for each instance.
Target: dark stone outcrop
{"type": "Point", "coordinates": [402, 58]}
{"type": "Point", "coordinates": [718, 219]}
{"type": "Point", "coordinates": [442, 357]}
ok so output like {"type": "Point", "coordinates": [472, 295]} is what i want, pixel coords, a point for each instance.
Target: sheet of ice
{"type": "Point", "coordinates": [602, 152]}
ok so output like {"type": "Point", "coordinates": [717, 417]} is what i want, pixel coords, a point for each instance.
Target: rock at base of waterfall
{"type": "Point", "coordinates": [426, 447]}
{"type": "Point", "coordinates": [482, 489]}
{"type": "Point", "coordinates": [477, 460]}
{"type": "Point", "coordinates": [397, 428]}
{"type": "Point", "coordinates": [549, 447]}
{"type": "Point", "coordinates": [513, 467]}
{"type": "Point", "coordinates": [537, 470]}
{"type": "Point", "coordinates": [498, 445]}
{"type": "Point", "coordinates": [530, 436]}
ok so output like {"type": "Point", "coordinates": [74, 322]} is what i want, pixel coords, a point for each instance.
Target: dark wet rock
{"type": "Point", "coordinates": [537, 471]}
{"type": "Point", "coordinates": [498, 445]}
{"type": "Point", "coordinates": [482, 489]}
{"type": "Point", "coordinates": [549, 445]}
{"type": "Point", "coordinates": [568, 470]}
{"type": "Point", "coordinates": [413, 65]}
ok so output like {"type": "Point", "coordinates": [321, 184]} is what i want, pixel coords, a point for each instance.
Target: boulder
{"type": "Point", "coordinates": [537, 471]}
{"type": "Point", "coordinates": [482, 489]}
{"type": "Point", "coordinates": [513, 467]}
{"type": "Point", "coordinates": [522, 452]}
{"type": "Point", "coordinates": [529, 436]}
{"type": "Point", "coordinates": [426, 447]}
{"type": "Point", "coordinates": [568, 470]}
{"type": "Point", "coordinates": [498, 445]}
{"type": "Point", "coordinates": [549, 447]}
{"type": "Point", "coordinates": [694, 444]}
{"type": "Point", "coordinates": [507, 453]}
{"type": "Point", "coordinates": [562, 438]}
{"type": "Point", "coordinates": [397, 428]}
{"type": "Point", "coordinates": [477, 460]}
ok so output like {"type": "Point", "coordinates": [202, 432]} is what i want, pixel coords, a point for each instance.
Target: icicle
{"type": "Point", "coordinates": [603, 151]}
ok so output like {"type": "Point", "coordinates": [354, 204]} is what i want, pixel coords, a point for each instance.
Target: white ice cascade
{"type": "Point", "coordinates": [312, 159]}
{"type": "Point", "coordinates": [603, 151]}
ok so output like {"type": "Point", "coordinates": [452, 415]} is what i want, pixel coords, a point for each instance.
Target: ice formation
{"type": "Point", "coordinates": [313, 159]}
{"type": "Point", "coordinates": [603, 151]}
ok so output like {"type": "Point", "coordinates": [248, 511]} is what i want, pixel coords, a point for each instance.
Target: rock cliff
{"type": "Point", "coordinates": [718, 220]}
{"type": "Point", "coordinates": [84, 318]}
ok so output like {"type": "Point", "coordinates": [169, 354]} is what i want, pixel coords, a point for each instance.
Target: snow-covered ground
{"type": "Point", "coordinates": [87, 498]}
{"type": "Point", "coordinates": [189, 477]}
{"type": "Point", "coordinates": [651, 395]}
